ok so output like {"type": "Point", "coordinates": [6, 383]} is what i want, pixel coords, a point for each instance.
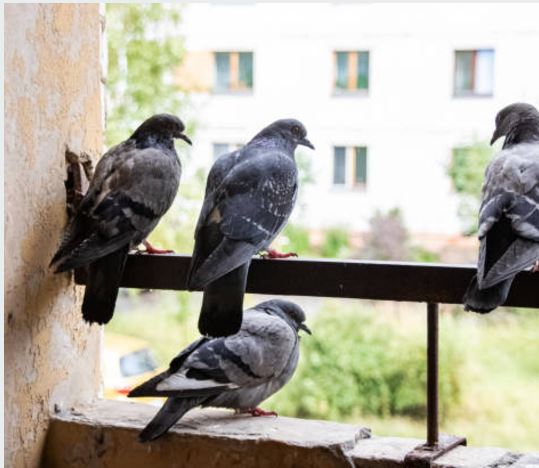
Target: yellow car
{"type": "Point", "coordinates": [126, 363]}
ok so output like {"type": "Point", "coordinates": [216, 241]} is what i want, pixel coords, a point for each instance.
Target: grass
{"type": "Point", "coordinates": [499, 379]}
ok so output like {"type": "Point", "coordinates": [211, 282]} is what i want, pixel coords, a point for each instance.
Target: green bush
{"type": "Point", "coordinates": [355, 365]}
{"type": "Point", "coordinates": [295, 238]}
{"type": "Point", "coordinates": [336, 244]}
{"type": "Point", "coordinates": [467, 170]}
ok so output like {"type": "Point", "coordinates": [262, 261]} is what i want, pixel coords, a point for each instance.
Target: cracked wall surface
{"type": "Point", "coordinates": [52, 102]}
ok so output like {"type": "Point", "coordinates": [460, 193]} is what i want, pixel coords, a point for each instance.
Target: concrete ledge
{"type": "Point", "coordinates": [105, 435]}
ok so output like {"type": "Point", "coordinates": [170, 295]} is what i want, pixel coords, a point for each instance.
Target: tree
{"type": "Point", "coordinates": [467, 169]}
{"type": "Point", "coordinates": [144, 49]}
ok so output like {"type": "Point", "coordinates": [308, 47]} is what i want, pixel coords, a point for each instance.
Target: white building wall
{"type": "Point", "coordinates": [409, 120]}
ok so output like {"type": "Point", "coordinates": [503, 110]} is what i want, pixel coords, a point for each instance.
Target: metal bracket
{"type": "Point", "coordinates": [424, 455]}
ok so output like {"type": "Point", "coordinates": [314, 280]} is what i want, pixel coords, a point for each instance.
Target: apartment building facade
{"type": "Point", "coordinates": [386, 91]}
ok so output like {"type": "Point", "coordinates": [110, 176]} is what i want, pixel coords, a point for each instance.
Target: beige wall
{"type": "Point", "coordinates": [52, 101]}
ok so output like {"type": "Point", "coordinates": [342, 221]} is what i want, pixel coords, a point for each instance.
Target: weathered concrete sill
{"type": "Point", "coordinates": [104, 435]}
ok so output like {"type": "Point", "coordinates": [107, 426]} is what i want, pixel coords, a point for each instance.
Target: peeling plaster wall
{"type": "Point", "coordinates": [52, 101]}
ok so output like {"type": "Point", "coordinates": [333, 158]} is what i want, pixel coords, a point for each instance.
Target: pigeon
{"type": "Point", "coordinates": [509, 213]}
{"type": "Point", "coordinates": [236, 372]}
{"type": "Point", "coordinates": [133, 186]}
{"type": "Point", "coordinates": [250, 194]}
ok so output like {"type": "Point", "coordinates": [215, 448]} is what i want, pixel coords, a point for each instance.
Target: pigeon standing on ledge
{"type": "Point", "coordinates": [250, 194]}
{"type": "Point", "coordinates": [237, 372]}
{"type": "Point", "coordinates": [133, 186]}
{"type": "Point", "coordinates": [509, 214]}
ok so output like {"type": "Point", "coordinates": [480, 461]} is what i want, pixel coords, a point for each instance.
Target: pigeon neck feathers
{"type": "Point", "coordinates": [274, 141]}
{"type": "Point", "coordinates": [526, 131]}
{"type": "Point", "coordinates": [152, 140]}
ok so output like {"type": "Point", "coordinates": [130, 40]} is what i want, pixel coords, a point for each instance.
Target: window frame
{"type": "Point", "coordinates": [350, 160]}
{"type": "Point", "coordinates": [234, 83]}
{"type": "Point", "coordinates": [352, 63]}
{"type": "Point", "coordinates": [473, 93]}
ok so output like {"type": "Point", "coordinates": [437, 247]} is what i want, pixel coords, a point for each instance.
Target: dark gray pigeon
{"type": "Point", "coordinates": [250, 194]}
{"type": "Point", "coordinates": [237, 372]}
{"type": "Point", "coordinates": [133, 186]}
{"type": "Point", "coordinates": [509, 214]}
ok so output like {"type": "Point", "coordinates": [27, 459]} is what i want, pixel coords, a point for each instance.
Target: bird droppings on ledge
{"type": "Point", "coordinates": [105, 434]}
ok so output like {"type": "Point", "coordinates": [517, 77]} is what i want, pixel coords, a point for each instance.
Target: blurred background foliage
{"type": "Point", "coordinates": [467, 170]}
{"type": "Point", "coordinates": [144, 48]}
{"type": "Point", "coordinates": [365, 362]}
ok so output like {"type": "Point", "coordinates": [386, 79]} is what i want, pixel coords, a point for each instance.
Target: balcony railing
{"type": "Point", "coordinates": [388, 281]}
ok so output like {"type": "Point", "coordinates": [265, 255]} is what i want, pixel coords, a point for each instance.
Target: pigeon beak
{"type": "Point", "coordinates": [497, 134]}
{"type": "Point", "coordinates": [305, 328]}
{"type": "Point", "coordinates": [185, 138]}
{"type": "Point", "coordinates": [306, 143]}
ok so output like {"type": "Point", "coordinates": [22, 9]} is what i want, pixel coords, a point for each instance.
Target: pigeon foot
{"type": "Point", "coordinates": [257, 412]}
{"type": "Point", "coordinates": [272, 254]}
{"type": "Point", "coordinates": [535, 268]}
{"type": "Point", "coordinates": [154, 250]}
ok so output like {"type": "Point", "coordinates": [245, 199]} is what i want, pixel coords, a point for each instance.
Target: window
{"type": "Point", "coordinates": [233, 71]}
{"type": "Point", "coordinates": [339, 165]}
{"type": "Point", "coordinates": [474, 72]}
{"type": "Point", "coordinates": [360, 165]}
{"type": "Point", "coordinates": [350, 166]}
{"type": "Point", "coordinates": [223, 148]}
{"type": "Point", "coordinates": [351, 71]}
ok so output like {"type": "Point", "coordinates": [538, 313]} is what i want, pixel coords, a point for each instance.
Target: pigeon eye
{"type": "Point", "coordinates": [296, 131]}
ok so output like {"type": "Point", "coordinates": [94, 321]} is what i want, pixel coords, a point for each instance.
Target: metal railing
{"type": "Point", "coordinates": [389, 281]}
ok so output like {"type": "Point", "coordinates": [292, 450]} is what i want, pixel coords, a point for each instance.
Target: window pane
{"type": "Point", "coordinates": [360, 176]}
{"type": "Point", "coordinates": [222, 71]}
{"type": "Point", "coordinates": [363, 70]}
{"type": "Point", "coordinates": [219, 149]}
{"type": "Point", "coordinates": [464, 71]}
{"type": "Point", "coordinates": [484, 72]}
{"type": "Point", "coordinates": [246, 70]}
{"type": "Point", "coordinates": [339, 165]}
{"type": "Point", "coordinates": [341, 73]}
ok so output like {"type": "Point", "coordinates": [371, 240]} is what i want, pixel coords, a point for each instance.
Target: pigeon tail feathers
{"type": "Point", "coordinates": [172, 410]}
{"type": "Point", "coordinates": [104, 276]}
{"type": "Point", "coordinates": [222, 305]}
{"type": "Point", "coordinates": [486, 300]}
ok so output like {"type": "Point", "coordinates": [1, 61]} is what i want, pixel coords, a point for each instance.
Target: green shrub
{"type": "Point", "coordinates": [356, 365]}
{"type": "Point", "coordinates": [336, 244]}
{"type": "Point", "coordinates": [296, 239]}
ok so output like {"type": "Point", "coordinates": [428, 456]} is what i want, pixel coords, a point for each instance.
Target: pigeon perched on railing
{"type": "Point", "coordinates": [509, 214]}
{"type": "Point", "coordinates": [237, 372]}
{"type": "Point", "coordinates": [133, 186]}
{"type": "Point", "coordinates": [250, 194]}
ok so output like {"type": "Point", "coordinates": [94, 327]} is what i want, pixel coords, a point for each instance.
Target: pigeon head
{"type": "Point", "coordinates": [161, 127]}
{"type": "Point", "coordinates": [291, 132]}
{"type": "Point", "coordinates": [516, 122]}
{"type": "Point", "coordinates": [288, 311]}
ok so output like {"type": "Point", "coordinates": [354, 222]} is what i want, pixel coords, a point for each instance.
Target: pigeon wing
{"type": "Point", "coordinates": [243, 215]}
{"type": "Point", "coordinates": [509, 215]}
{"type": "Point", "coordinates": [131, 190]}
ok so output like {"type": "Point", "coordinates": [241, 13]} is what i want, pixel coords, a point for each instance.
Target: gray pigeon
{"type": "Point", "coordinates": [133, 186]}
{"type": "Point", "coordinates": [250, 194]}
{"type": "Point", "coordinates": [509, 213]}
{"type": "Point", "coordinates": [237, 372]}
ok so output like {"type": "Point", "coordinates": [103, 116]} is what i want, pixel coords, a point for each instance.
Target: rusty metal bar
{"type": "Point", "coordinates": [424, 455]}
{"type": "Point", "coordinates": [386, 281]}
{"type": "Point", "coordinates": [432, 374]}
